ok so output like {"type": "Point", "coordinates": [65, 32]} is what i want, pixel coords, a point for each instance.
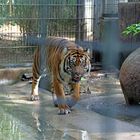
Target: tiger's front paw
{"type": "Point", "coordinates": [34, 98]}
{"type": "Point", "coordinates": [64, 110]}
{"type": "Point", "coordinates": [60, 102]}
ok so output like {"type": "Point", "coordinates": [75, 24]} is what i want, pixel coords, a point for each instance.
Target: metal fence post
{"type": "Point", "coordinates": [42, 32]}
{"type": "Point", "coordinates": [80, 22]}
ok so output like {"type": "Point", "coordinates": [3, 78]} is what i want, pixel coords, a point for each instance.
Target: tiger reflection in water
{"type": "Point", "coordinates": [67, 63]}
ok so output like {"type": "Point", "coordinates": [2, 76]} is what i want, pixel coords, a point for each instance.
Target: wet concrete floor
{"type": "Point", "coordinates": [101, 115]}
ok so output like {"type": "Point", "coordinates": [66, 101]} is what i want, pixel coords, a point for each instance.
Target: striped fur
{"type": "Point", "coordinates": [66, 63]}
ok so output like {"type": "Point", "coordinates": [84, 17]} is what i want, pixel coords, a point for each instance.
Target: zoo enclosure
{"type": "Point", "coordinates": [23, 24]}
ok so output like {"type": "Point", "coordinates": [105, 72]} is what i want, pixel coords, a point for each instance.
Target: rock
{"type": "Point", "coordinates": [130, 78]}
{"type": "Point", "coordinates": [26, 77]}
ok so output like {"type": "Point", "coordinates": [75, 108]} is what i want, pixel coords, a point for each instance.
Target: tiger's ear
{"type": "Point", "coordinates": [87, 50]}
{"type": "Point", "coordinates": [65, 50]}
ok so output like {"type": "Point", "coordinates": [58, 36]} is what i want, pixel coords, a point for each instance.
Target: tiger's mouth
{"type": "Point", "coordinates": [76, 78]}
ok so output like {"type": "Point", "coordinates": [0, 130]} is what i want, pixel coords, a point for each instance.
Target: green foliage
{"type": "Point", "coordinates": [55, 15]}
{"type": "Point", "coordinates": [133, 29]}
{"type": "Point", "coordinates": [26, 17]}
{"type": "Point", "coordinates": [4, 11]}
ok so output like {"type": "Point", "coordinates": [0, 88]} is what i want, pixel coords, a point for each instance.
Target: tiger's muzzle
{"type": "Point", "coordinates": [77, 75]}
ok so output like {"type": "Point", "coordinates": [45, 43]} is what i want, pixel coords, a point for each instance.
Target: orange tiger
{"type": "Point", "coordinates": [65, 63]}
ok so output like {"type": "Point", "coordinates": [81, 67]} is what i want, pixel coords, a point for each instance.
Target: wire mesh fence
{"type": "Point", "coordinates": [24, 23]}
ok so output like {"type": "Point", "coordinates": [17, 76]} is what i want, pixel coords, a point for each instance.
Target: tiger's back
{"type": "Point", "coordinates": [53, 53]}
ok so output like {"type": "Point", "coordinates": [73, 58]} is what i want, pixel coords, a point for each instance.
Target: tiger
{"type": "Point", "coordinates": [66, 63]}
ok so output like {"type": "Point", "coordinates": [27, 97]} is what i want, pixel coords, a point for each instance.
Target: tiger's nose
{"type": "Point", "coordinates": [77, 74]}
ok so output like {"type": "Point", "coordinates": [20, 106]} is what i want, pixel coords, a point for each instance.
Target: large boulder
{"type": "Point", "coordinates": [130, 78]}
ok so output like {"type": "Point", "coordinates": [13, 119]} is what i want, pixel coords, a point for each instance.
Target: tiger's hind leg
{"type": "Point", "coordinates": [34, 93]}
{"type": "Point", "coordinates": [35, 80]}
{"type": "Point", "coordinates": [61, 101]}
{"type": "Point", "coordinates": [36, 77]}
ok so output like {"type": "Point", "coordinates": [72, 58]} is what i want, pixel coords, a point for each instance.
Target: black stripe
{"type": "Point", "coordinates": [61, 79]}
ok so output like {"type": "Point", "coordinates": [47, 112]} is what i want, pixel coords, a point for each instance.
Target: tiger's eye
{"type": "Point", "coordinates": [82, 61]}
{"type": "Point", "coordinates": [72, 63]}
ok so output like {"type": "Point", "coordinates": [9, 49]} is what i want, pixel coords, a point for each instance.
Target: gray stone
{"type": "Point", "coordinates": [130, 78]}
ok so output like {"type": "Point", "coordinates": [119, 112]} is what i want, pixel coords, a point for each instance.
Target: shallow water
{"type": "Point", "coordinates": [17, 124]}
{"type": "Point", "coordinates": [11, 127]}
{"type": "Point", "coordinates": [21, 119]}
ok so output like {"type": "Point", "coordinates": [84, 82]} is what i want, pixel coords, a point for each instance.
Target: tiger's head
{"type": "Point", "coordinates": [75, 65]}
